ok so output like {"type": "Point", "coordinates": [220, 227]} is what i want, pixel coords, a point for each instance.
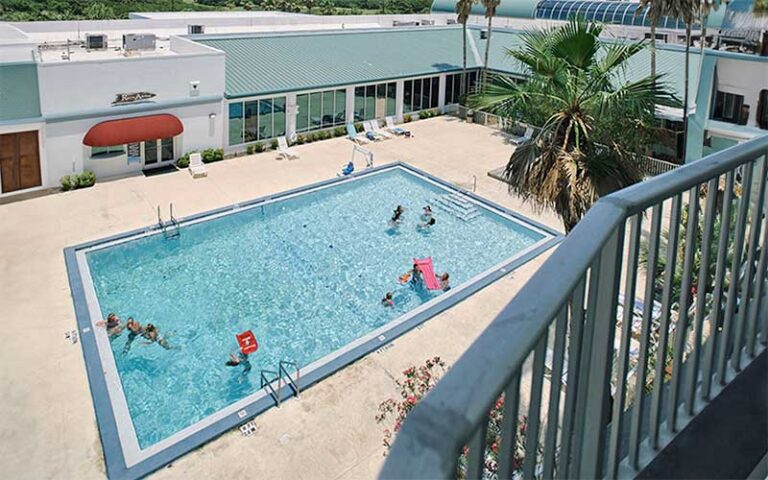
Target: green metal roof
{"type": "Point", "coordinates": [19, 96]}
{"type": "Point", "coordinates": [266, 64]}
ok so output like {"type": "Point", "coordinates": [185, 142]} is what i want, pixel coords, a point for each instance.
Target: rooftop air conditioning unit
{"type": "Point", "coordinates": [195, 29]}
{"type": "Point", "coordinates": [450, 21]}
{"type": "Point", "coordinates": [427, 22]}
{"type": "Point", "coordinates": [96, 41]}
{"type": "Point", "coordinates": [397, 23]}
{"type": "Point", "coordinates": [483, 34]}
{"type": "Point", "coordinates": [141, 41]}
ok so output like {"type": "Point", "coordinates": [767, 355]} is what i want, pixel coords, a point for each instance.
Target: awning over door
{"type": "Point", "coordinates": [130, 130]}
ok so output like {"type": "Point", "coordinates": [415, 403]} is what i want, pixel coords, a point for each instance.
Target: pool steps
{"type": "Point", "coordinates": [457, 206]}
{"type": "Point", "coordinates": [281, 375]}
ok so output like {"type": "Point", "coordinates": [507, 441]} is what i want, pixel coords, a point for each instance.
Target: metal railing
{"type": "Point", "coordinates": [652, 167]}
{"type": "Point", "coordinates": [693, 240]}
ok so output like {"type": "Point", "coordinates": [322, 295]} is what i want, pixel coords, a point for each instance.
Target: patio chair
{"type": "Point", "coordinates": [196, 166]}
{"type": "Point", "coordinates": [370, 132]}
{"type": "Point", "coordinates": [527, 136]}
{"type": "Point", "coordinates": [395, 129]}
{"type": "Point", "coordinates": [353, 135]}
{"type": "Point", "coordinates": [376, 126]}
{"type": "Point", "coordinates": [284, 150]}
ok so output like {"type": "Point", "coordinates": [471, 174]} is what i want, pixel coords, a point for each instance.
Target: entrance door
{"type": "Point", "coordinates": [19, 161]}
{"type": "Point", "coordinates": [156, 151]}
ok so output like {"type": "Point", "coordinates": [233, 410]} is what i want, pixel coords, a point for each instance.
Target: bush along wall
{"type": "Point", "coordinates": [78, 180]}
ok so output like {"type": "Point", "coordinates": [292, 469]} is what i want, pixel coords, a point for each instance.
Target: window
{"type": "Point", "coordinates": [374, 101]}
{"type": "Point", "coordinates": [166, 149]}
{"type": "Point", "coordinates": [453, 86]}
{"type": "Point", "coordinates": [97, 152]}
{"type": "Point", "coordinates": [728, 107]}
{"type": "Point", "coordinates": [762, 110]}
{"type": "Point", "coordinates": [256, 120]}
{"type": "Point", "coordinates": [321, 110]}
{"type": "Point", "coordinates": [421, 94]}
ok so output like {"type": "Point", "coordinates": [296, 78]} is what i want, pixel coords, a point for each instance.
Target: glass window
{"type": "Point", "coordinates": [416, 95]}
{"type": "Point", "coordinates": [251, 121]}
{"type": "Point", "coordinates": [341, 107]}
{"type": "Point", "coordinates": [315, 110]}
{"type": "Point", "coordinates": [150, 152]}
{"type": "Point", "coordinates": [166, 149]}
{"type": "Point", "coordinates": [107, 151]}
{"type": "Point", "coordinates": [391, 99]}
{"type": "Point", "coordinates": [435, 89]}
{"type": "Point", "coordinates": [370, 102]}
{"type": "Point", "coordinates": [762, 110]}
{"type": "Point", "coordinates": [728, 107]}
{"type": "Point", "coordinates": [359, 103]}
{"type": "Point", "coordinates": [449, 89]}
{"type": "Point", "coordinates": [408, 96]}
{"type": "Point", "coordinates": [278, 116]}
{"type": "Point", "coordinates": [302, 112]}
{"type": "Point", "coordinates": [235, 123]}
{"type": "Point", "coordinates": [265, 118]}
{"type": "Point", "coordinates": [328, 109]}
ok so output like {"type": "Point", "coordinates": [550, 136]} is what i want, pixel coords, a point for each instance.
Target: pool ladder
{"type": "Point", "coordinates": [171, 228]}
{"type": "Point", "coordinates": [282, 372]}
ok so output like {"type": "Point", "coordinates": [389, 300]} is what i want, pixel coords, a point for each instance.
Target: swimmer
{"type": "Point", "coordinates": [397, 214]}
{"type": "Point", "coordinates": [388, 301]}
{"type": "Point", "coordinates": [445, 283]}
{"type": "Point", "coordinates": [427, 213]}
{"type": "Point", "coordinates": [239, 359]}
{"type": "Point", "coordinates": [113, 325]}
{"type": "Point", "coordinates": [135, 329]}
{"type": "Point", "coordinates": [415, 275]}
{"type": "Point", "coordinates": [152, 334]}
{"type": "Point", "coordinates": [427, 225]}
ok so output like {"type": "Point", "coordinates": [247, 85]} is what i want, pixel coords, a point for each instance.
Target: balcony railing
{"type": "Point", "coordinates": [639, 318]}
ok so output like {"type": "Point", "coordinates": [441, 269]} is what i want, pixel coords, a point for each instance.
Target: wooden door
{"type": "Point", "coordinates": [19, 161]}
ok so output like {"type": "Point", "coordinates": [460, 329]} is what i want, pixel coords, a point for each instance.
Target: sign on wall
{"type": "Point", "coordinates": [132, 97]}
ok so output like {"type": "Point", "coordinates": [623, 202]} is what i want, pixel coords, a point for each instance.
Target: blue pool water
{"type": "Point", "coordinates": [305, 274]}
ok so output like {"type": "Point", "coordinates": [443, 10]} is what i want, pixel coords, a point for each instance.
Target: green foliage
{"type": "Point", "coordinates": [407, 118]}
{"type": "Point", "coordinates": [273, 144]}
{"type": "Point", "coordinates": [99, 11]}
{"type": "Point", "coordinates": [579, 94]}
{"type": "Point", "coordinates": [359, 127]}
{"type": "Point", "coordinates": [78, 180]}
{"type": "Point", "coordinates": [259, 147]}
{"type": "Point", "coordinates": [183, 161]}
{"type": "Point", "coordinates": [212, 155]}
{"type": "Point", "coordinates": [250, 149]}
{"type": "Point", "coordinates": [300, 139]}
{"type": "Point", "coordinates": [339, 132]}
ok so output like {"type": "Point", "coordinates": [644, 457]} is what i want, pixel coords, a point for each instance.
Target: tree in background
{"type": "Point", "coordinates": [490, 12]}
{"type": "Point", "coordinates": [655, 13]}
{"type": "Point", "coordinates": [578, 92]}
{"type": "Point", "coordinates": [327, 7]}
{"type": "Point", "coordinates": [309, 4]}
{"type": "Point", "coordinates": [99, 11]}
{"type": "Point", "coordinates": [463, 11]}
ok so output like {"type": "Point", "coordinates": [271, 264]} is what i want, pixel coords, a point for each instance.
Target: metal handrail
{"type": "Point", "coordinates": [284, 371]}
{"type": "Point", "coordinates": [267, 383]}
{"type": "Point", "coordinates": [455, 412]}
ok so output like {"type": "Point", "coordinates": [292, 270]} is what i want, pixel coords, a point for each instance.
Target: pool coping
{"type": "Point", "coordinates": [116, 467]}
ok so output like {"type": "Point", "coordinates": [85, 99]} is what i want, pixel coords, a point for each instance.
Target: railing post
{"type": "Point", "coordinates": [598, 371]}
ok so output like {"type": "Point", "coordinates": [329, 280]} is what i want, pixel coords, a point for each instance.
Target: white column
{"type": "Point", "coordinates": [441, 91]}
{"type": "Point", "coordinates": [399, 92]}
{"type": "Point", "coordinates": [291, 109]}
{"type": "Point", "coordinates": [350, 113]}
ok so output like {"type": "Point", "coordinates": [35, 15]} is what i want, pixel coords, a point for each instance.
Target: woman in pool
{"type": "Point", "coordinates": [388, 300]}
{"type": "Point", "coordinates": [426, 226]}
{"type": "Point", "coordinates": [135, 329]}
{"type": "Point", "coordinates": [113, 325]}
{"type": "Point", "coordinates": [397, 216]}
{"type": "Point", "coordinates": [152, 334]}
{"type": "Point", "coordinates": [239, 359]}
{"type": "Point", "coordinates": [445, 282]}
{"type": "Point", "coordinates": [426, 214]}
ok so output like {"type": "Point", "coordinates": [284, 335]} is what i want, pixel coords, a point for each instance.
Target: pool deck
{"type": "Point", "coordinates": [49, 428]}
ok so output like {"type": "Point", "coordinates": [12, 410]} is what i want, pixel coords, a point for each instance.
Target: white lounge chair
{"type": "Point", "coordinates": [196, 166]}
{"type": "Point", "coordinates": [525, 138]}
{"type": "Point", "coordinates": [381, 131]}
{"type": "Point", "coordinates": [370, 132]}
{"type": "Point", "coordinates": [354, 136]}
{"type": "Point", "coordinates": [284, 150]}
{"type": "Point", "coordinates": [395, 129]}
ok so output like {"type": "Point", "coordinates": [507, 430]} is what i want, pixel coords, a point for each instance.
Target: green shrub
{"type": "Point", "coordinates": [312, 137]}
{"type": "Point", "coordinates": [212, 155]}
{"type": "Point", "coordinates": [78, 180]}
{"type": "Point", "coordinates": [300, 139]}
{"type": "Point", "coordinates": [407, 118]}
{"type": "Point", "coordinates": [183, 161]}
{"type": "Point", "coordinates": [259, 147]}
{"type": "Point", "coordinates": [424, 114]}
{"type": "Point", "coordinates": [273, 144]}
{"type": "Point", "coordinates": [250, 149]}
{"type": "Point", "coordinates": [324, 135]}
{"type": "Point", "coordinates": [339, 131]}
{"type": "Point", "coordinates": [359, 127]}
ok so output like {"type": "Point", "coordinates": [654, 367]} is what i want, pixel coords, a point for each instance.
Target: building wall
{"type": "Point", "coordinates": [743, 76]}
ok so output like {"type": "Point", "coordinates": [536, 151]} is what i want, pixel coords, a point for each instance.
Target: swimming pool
{"type": "Point", "coordinates": [305, 271]}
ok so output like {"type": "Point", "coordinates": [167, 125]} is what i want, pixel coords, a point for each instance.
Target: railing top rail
{"type": "Point", "coordinates": [427, 445]}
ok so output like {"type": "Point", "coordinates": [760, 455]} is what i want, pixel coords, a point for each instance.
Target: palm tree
{"type": "Point", "coordinates": [578, 91]}
{"type": "Point", "coordinates": [490, 12]}
{"type": "Point", "coordinates": [654, 15]}
{"type": "Point", "coordinates": [687, 11]}
{"type": "Point", "coordinates": [463, 11]}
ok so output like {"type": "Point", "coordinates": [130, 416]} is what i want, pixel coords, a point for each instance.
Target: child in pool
{"type": "Point", "coordinates": [113, 325]}
{"type": "Point", "coordinates": [388, 300]}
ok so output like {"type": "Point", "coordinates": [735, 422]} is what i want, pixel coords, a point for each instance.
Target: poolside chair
{"type": "Point", "coordinates": [527, 136]}
{"type": "Point", "coordinates": [196, 167]}
{"type": "Point", "coordinates": [284, 150]}
{"type": "Point", "coordinates": [395, 129]}
{"type": "Point", "coordinates": [370, 132]}
{"type": "Point", "coordinates": [353, 135]}
{"type": "Point", "coordinates": [376, 126]}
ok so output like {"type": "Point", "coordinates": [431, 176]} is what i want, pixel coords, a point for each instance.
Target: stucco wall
{"type": "Point", "coordinates": [743, 77]}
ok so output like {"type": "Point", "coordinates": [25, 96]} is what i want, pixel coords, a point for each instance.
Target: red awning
{"type": "Point", "coordinates": [130, 130]}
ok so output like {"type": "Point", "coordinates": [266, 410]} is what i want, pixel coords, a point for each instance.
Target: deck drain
{"type": "Point", "coordinates": [248, 429]}
{"type": "Point", "coordinates": [71, 336]}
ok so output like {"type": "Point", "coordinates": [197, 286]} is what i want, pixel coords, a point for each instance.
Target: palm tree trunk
{"type": "Point", "coordinates": [487, 49]}
{"type": "Point", "coordinates": [653, 49]}
{"type": "Point", "coordinates": [685, 86]}
{"type": "Point", "coordinates": [464, 59]}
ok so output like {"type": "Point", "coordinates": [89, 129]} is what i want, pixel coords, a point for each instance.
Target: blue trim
{"type": "Point", "coordinates": [127, 109]}
{"type": "Point", "coordinates": [110, 442]}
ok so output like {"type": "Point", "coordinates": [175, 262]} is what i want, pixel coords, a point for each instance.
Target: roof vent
{"type": "Point", "coordinates": [96, 41]}
{"type": "Point", "coordinates": [139, 41]}
{"type": "Point", "coordinates": [483, 34]}
{"type": "Point", "coordinates": [196, 29]}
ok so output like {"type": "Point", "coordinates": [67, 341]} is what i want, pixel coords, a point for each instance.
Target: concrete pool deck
{"type": "Point", "coordinates": [49, 427]}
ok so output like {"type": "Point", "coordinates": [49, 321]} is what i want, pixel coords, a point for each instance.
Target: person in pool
{"type": "Point", "coordinates": [388, 300]}
{"type": "Point", "coordinates": [445, 282]}
{"type": "Point", "coordinates": [135, 329]}
{"type": "Point", "coordinates": [113, 325]}
{"type": "Point", "coordinates": [427, 225]}
{"type": "Point", "coordinates": [427, 213]}
{"type": "Point", "coordinates": [239, 359]}
{"type": "Point", "coordinates": [397, 214]}
{"type": "Point", "coordinates": [152, 335]}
